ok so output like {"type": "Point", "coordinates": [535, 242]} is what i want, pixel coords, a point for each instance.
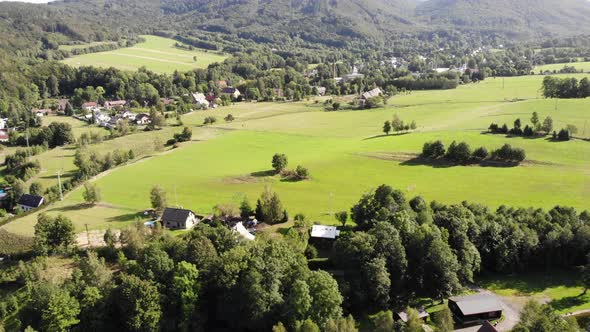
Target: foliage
{"type": "Point", "coordinates": [53, 234]}
{"type": "Point", "coordinates": [91, 193]}
{"type": "Point", "coordinates": [279, 162]}
{"type": "Point", "coordinates": [158, 198]}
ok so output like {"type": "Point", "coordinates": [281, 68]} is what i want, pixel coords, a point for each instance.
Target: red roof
{"type": "Point", "coordinates": [3, 135]}
{"type": "Point", "coordinates": [89, 104]}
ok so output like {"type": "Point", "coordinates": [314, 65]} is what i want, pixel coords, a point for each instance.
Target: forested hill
{"type": "Point", "coordinates": [35, 30]}
{"type": "Point", "coordinates": [517, 18]}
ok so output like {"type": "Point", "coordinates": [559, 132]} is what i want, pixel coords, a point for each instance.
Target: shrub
{"type": "Point", "coordinates": [433, 150]}
{"type": "Point", "coordinates": [563, 135]}
{"type": "Point", "coordinates": [508, 153]}
{"type": "Point", "coordinates": [459, 152]}
{"type": "Point", "coordinates": [480, 154]}
{"type": "Point", "coordinates": [301, 172]}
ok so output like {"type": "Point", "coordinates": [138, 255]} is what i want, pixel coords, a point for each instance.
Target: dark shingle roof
{"type": "Point", "coordinates": [30, 200]}
{"type": "Point", "coordinates": [176, 215]}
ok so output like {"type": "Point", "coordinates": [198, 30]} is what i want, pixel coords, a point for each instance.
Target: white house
{"type": "Point", "coordinates": [28, 202]}
{"type": "Point", "coordinates": [243, 232]}
{"type": "Point", "coordinates": [200, 99]}
{"type": "Point", "coordinates": [324, 232]}
{"type": "Point", "coordinates": [232, 92]}
{"type": "Point", "coordinates": [3, 123]}
{"type": "Point", "coordinates": [373, 93]}
{"type": "Point", "coordinates": [174, 218]}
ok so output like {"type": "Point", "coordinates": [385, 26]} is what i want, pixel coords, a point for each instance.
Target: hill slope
{"type": "Point", "coordinates": [528, 18]}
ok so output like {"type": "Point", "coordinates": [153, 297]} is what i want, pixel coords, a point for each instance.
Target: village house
{"type": "Point", "coordinates": [321, 91]}
{"type": "Point", "coordinates": [243, 232]}
{"type": "Point", "coordinates": [200, 99]}
{"type": "Point", "coordinates": [324, 232]}
{"type": "Point", "coordinates": [101, 118]}
{"type": "Point", "coordinates": [211, 98]}
{"type": "Point", "coordinates": [371, 94]}
{"type": "Point", "coordinates": [233, 93]}
{"type": "Point", "coordinates": [42, 112]}
{"type": "Point", "coordinates": [143, 119]}
{"type": "Point", "coordinates": [4, 136]}
{"type": "Point", "coordinates": [475, 309]}
{"type": "Point", "coordinates": [109, 105]}
{"type": "Point", "coordinates": [174, 218]}
{"type": "Point", "coordinates": [112, 123]}
{"type": "Point", "coordinates": [3, 123]}
{"type": "Point", "coordinates": [28, 202]}
{"type": "Point", "coordinates": [89, 106]}
{"type": "Point", "coordinates": [125, 114]}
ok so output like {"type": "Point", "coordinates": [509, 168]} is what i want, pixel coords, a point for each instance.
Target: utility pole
{"type": "Point", "coordinates": [175, 197]}
{"type": "Point", "coordinates": [61, 195]}
{"type": "Point", "coordinates": [87, 235]}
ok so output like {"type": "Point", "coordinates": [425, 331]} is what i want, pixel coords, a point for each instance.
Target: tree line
{"type": "Point", "coordinates": [555, 87]}
{"type": "Point", "coordinates": [461, 153]}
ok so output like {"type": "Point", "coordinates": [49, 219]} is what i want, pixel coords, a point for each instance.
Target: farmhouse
{"type": "Point", "coordinates": [321, 91]}
{"type": "Point", "coordinates": [200, 99]}
{"type": "Point", "coordinates": [370, 94]}
{"type": "Point", "coordinates": [232, 92]}
{"type": "Point", "coordinates": [243, 232]}
{"type": "Point", "coordinates": [3, 123]}
{"type": "Point", "coordinates": [109, 105]}
{"type": "Point", "coordinates": [174, 218]}
{"type": "Point", "coordinates": [89, 106]}
{"type": "Point", "coordinates": [142, 119]}
{"type": "Point", "coordinates": [3, 136]}
{"type": "Point", "coordinates": [222, 84]}
{"type": "Point", "coordinates": [475, 308]}
{"type": "Point", "coordinates": [127, 115]}
{"type": "Point", "coordinates": [324, 232]}
{"type": "Point", "coordinates": [41, 112]}
{"type": "Point", "coordinates": [28, 202]}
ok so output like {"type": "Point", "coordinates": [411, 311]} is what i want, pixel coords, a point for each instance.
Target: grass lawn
{"type": "Point", "coordinates": [561, 289]}
{"type": "Point", "coordinates": [347, 155]}
{"type": "Point", "coordinates": [156, 53]}
{"type": "Point", "coordinates": [585, 66]}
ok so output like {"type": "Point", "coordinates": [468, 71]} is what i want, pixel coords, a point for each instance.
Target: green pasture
{"type": "Point", "coordinates": [156, 53]}
{"type": "Point", "coordinates": [563, 290]}
{"type": "Point", "coordinates": [585, 66]}
{"type": "Point", "coordinates": [347, 155]}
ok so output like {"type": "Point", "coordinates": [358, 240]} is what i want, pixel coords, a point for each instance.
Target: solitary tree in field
{"type": "Point", "coordinates": [387, 127]}
{"type": "Point", "coordinates": [158, 198]}
{"type": "Point", "coordinates": [91, 193]}
{"type": "Point", "coordinates": [279, 162]}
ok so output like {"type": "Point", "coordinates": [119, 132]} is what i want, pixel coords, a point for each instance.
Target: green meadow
{"type": "Point", "coordinates": [348, 155]}
{"type": "Point", "coordinates": [584, 66]}
{"type": "Point", "coordinates": [157, 54]}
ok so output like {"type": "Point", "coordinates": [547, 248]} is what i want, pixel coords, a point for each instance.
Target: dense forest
{"type": "Point", "coordinates": [400, 250]}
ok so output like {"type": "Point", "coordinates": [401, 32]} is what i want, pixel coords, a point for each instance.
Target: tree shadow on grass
{"type": "Point", "coordinates": [126, 217]}
{"type": "Point", "coordinates": [262, 174]}
{"type": "Point", "coordinates": [75, 207]}
{"type": "Point", "coordinates": [445, 163]}
{"type": "Point", "coordinates": [569, 302]}
{"type": "Point", "coordinates": [530, 283]}
{"type": "Point", "coordinates": [384, 135]}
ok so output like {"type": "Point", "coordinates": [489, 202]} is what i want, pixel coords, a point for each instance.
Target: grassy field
{"type": "Point", "coordinates": [585, 66]}
{"type": "Point", "coordinates": [561, 289]}
{"type": "Point", "coordinates": [347, 155]}
{"type": "Point", "coordinates": [156, 53]}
